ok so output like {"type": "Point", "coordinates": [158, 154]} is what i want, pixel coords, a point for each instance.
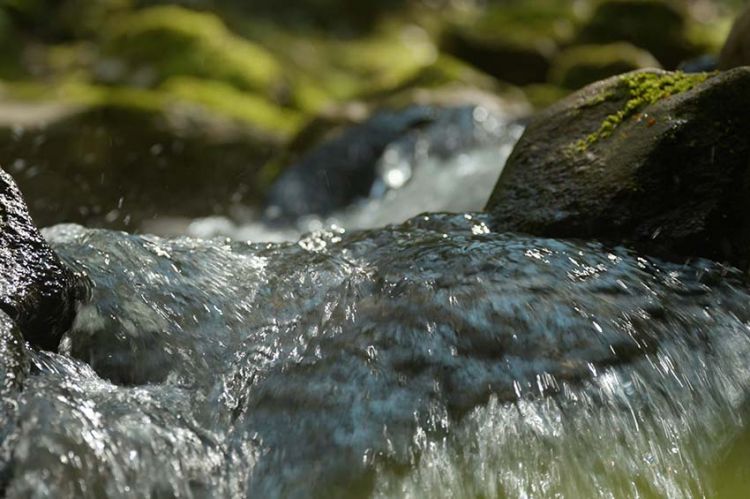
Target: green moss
{"type": "Point", "coordinates": [322, 69]}
{"type": "Point", "coordinates": [170, 41]}
{"type": "Point", "coordinates": [641, 90]}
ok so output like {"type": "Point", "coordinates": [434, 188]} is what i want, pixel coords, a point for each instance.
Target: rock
{"type": "Point", "coordinates": [736, 50]}
{"type": "Point", "coordinates": [580, 65]}
{"type": "Point", "coordinates": [342, 168]}
{"type": "Point", "coordinates": [658, 26]}
{"type": "Point", "coordinates": [148, 46]}
{"type": "Point", "coordinates": [14, 364]}
{"type": "Point", "coordinates": [333, 165]}
{"type": "Point", "coordinates": [652, 158]}
{"type": "Point", "coordinates": [14, 367]}
{"type": "Point", "coordinates": [513, 42]}
{"type": "Point", "coordinates": [119, 164]}
{"type": "Point", "coordinates": [36, 289]}
{"type": "Point", "coordinates": [63, 20]}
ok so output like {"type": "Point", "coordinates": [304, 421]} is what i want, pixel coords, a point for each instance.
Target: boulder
{"type": "Point", "coordinates": [347, 157]}
{"type": "Point", "coordinates": [736, 50]}
{"type": "Point", "coordinates": [659, 26]}
{"type": "Point", "coordinates": [36, 290]}
{"type": "Point", "coordinates": [118, 165]}
{"type": "Point", "coordinates": [513, 42]}
{"type": "Point", "coordinates": [652, 158]}
{"type": "Point", "coordinates": [578, 66]}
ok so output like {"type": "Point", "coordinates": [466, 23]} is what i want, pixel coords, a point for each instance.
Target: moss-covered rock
{"type": "Point", "coordinates": [655, 159]}
{"type": "Point", "coordinates": [578, 66]}
{"type": "Point", "coordinates": [659, 26]}
{"type": "Point", "coordinates": [515, 41]}
{"type": "Point", "coordinates": [150, 46]}
{"type": "Point", "coordinates": [325, 69]}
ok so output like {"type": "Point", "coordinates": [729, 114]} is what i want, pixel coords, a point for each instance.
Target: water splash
{"type": "Point", "coordinates": [431, 358]}
{"type": "Point", "coordinates": [451, 165]}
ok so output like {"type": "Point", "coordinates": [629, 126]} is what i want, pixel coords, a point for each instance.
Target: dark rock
{"type": "Point", "coordinates": [14, 364]}
{"type": "Point", "coordinates": [36, 290]}
{"type": "Point", "coordinates": [736, 50]}
{"type": "Point", "coordinates": [117, 166]}
{"type": "Point", "coordinates": [512, 41]}
{"type": "Point", "coordinates": [652, 158]}
{"type": "Point", "coordinates": [14, 367]}
{"type": "Point", "coordinates": [344, 164]}
{"type": "Point", "coordinates": [503, 59]}
{"type": "Point", "coordinates": [578, 66]}
{"type": "Point", "coordinates": [659, 26]}
{"type": "Point", "coordinates": [700, 64]}
{"type": "Point", "coordinates": [342, 169]}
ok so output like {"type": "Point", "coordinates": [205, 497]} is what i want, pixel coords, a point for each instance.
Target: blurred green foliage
{"type": "Point", "coordinates": [273, 69]}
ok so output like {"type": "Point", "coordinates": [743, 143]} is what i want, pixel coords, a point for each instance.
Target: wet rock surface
{"type": "Point", "coordinates": [36, 289]}
{"type": "Point", "coordinates": [657, 159]}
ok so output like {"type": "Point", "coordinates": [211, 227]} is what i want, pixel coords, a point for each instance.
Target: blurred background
{"type": "Point", "coordinates": [119, 113]}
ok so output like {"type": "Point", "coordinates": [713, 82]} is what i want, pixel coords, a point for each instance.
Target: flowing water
{"type": "Point", "coordinates": [451, 164]}
{"type": "Point", "coordinates": [431, 358]}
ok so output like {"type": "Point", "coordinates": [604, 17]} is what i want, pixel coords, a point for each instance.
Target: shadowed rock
{"type": "Point", "coordinates": [36, 290]}
{"type": "Point", "coordinates": [656, 159]}
{"type": "Point", "coordinates": [736, 50]}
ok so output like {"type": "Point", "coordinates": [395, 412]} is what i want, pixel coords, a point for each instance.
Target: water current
{"type": "Point", "coordinates": [429, 358]}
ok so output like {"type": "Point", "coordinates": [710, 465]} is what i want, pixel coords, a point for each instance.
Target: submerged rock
{"type": "Point", "coordinates": [380, 154]}
{"type": "Point", "coordinates": [36, 289]}
{"type": "Point", "coordinates": [657, 159]}
{"type": "Point", "coordinates": [433, 356]}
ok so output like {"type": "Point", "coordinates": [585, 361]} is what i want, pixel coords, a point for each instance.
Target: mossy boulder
{"type": "Point", "coordinates": [36, 290]}
{"type": "Point", "coordinates": [514, 42]}
{"type": "Point", "coordinates": [578, 66]}
{"type": "Point", "coordinates": [736, 49]}
{"type": "Point", "coordinates": [118, 164]}
{"type": "Point", "coordinates": [654, 159]}
{"type": "Point", "coordinates": [659, 26]}
{"type": "Point", "coordinates": [148, 47]}
{"type": "Point", "coordinates": [62, 20]}
{"type": "Point", "coordinates": [334, 16]}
